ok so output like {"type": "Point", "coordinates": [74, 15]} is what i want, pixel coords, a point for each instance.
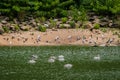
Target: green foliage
{"type": "Point", "coordinates": [96, 26]}
{"type": "Point", "coordinates": [79, 14]}
{"type": "Point", "coordinates": [16, 8]}
{"type": "Point", "coordinates": [52, 23]}
{"type": "Point", "coordinates": [103, 30]}
{"type": "Point", "coordinates": [62, 26]}
{"type": "Point", "coordinates": [6, 29]}
{"type": "Point", "coordinates": [58, 8]}
{"type": "Point", "coordinates": [100, 6]}
{"type": "Point", "coordinates": [72, 24]}
{"type": "Point", "coordinates": [64, 19]}
{"type": "Point", "coordinates": [42, 19]}
{"type": "Point", "coordinates": [49, 8]}
{"type": "Point", "coordinates": [106, 6]}
{"type": "Point", "coordinates": [63, 13]}
{"type": "Point", "coordinates": [17, 28]}
{"type": "Point", "coordinates": [41, 28]}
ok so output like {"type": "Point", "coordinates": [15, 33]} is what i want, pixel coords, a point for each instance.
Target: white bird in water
{"type": "Point", "coordinates": [61, 58]}
{"type": "Point", "coordinates": [51, 60]}
{"type": "Point", "coordinates": [31, 61]}
{"type": "Point", "coordinates": [34, 57]}
{"type": "Point", "coordinates": [52, 57]}
{"type": "Point", "coordinates": [68, 66]}
{"type": "Point", "coordinates": [97, 57]}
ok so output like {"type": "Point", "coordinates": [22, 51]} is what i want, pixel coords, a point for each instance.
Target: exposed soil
{"type": "Point", "coordinates": [60, 37]}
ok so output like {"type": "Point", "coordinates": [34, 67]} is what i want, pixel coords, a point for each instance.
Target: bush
{"type": "Point", "coordinates": [62, 26]}
{"type": "Point", "coordinates": [79, 14]}
{"type": "Point", "coordinates": [41, 28]}
{"type": "Point", "coordinates": [42, 19]}
{"type": "Point", "coordinates": [6, 29]}
{"type": "Point", "coordinates": [72, 24]}
{"type": "Point", "coordinates": [17, 28]}
{"type": "Point", "coordinates": [52, 23]}
{"type": "Point", "coordinates": [96, 26]}
{"type": "Point", "coordinates": [64, 20]}
{"type": "Point", "coordinates": [104, 30]}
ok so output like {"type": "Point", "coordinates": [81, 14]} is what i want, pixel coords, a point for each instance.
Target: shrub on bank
{"type": "Point", "coordinates": [41, 28]}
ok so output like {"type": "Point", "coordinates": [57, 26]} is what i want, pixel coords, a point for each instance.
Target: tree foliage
{"type": "Point", "coordinates": [56, 8]}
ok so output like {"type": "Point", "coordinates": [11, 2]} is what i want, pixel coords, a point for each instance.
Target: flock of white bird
{"type": "Point", "coordinates": [60, 58]}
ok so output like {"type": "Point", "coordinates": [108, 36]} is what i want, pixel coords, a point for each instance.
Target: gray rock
{"type": "Point", "coordinates": [95, 17]}
{"type": "Point", "coordinates": [96, 21]}
{"type": "Point", "coordinates": [78, 24]}
{"type": "Point", "coordinates": [58, 23]}
{"type": "Point", "coordinates": [116, 24]}
{"type": "Point", "coordinates": [110, 21]}
{"type": "Point", "coordinates": [47, 22]}
{"type": "Point", "coordinates": [8, 25]}
{"type": "Point", "coordinates": [91, 14]}
{"type": "Point", "coordinates": [110, 24]}
{"type": "Point", "coordinates": [46, 25]}
{"type": "Point", "coordinates": [105, 19]}
{"type": "Point", "coordinates": [33, 23]}
{"type": "Point", "coordinates": [25, 28]}
{"type": "Point", "coordinates": [104, 24]}
{"type": "Point", "coordinates": [91, 18]}
{"type": "Point", "coordinates": [66, 25]}
{"type": "Point", "coordinates": [38, 24]}
{"type": "Point", "coordinates": [12, 27]}
{"type": "Point", "coordinates": [24, 23]}
{"type": "Point", "coordinates": [88, 25]}
{"type": "Point", "coordinates": [6, 18]}
{"type": "Point", "coordinates": [55, 20]}
{"type": "Point", "coordinates": [4, 22]}
{"type": "Point", "coordinates": [15, 21]}
{"type": "Point", "coordinates": [54, 29]}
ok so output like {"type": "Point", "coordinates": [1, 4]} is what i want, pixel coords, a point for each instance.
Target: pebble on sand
{"type": "Point", "coordinates": [69, 37]}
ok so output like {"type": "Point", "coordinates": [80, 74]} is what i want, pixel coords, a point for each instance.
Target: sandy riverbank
{"type": "Point", "coordinates": [60, 37]}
